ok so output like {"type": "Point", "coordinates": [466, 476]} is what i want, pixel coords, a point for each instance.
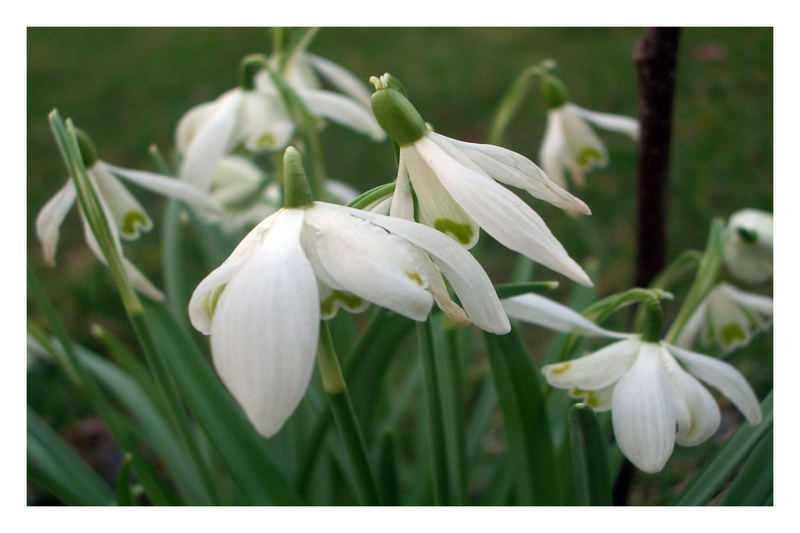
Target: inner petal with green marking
{"type": "Point", "coordinates": [337, 299]}
{"type": "Point", "coordinates": [130, 222]}
{"type": "Point", "coordinates": [210, 300]}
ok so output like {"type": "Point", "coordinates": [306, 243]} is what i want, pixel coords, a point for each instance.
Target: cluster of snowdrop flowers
{"type": "Point", "coordinates": [569, 142]}
{"type": "Point", "coordinates": [654, 401]}
{"type": "Point", "coordinates": [748, 250]}
{"type": "Point", "coordinates": [125, 215]}
{"type": "Point", "coordinates": [255, 116]}
{"type": "Point", "coordinates": [262, 307]}
{"type": "Point", "coordinates": [456, 185]}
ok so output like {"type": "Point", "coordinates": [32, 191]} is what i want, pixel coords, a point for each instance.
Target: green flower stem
{"type": "Point", "coordinates": [155, 489]}
{"type": "Point", "coordinates": [346, 421]}
{"type": "Point", "coordinates": [511, 103]}
{"type": "Point", "coordinates": [433, 396]}
{"type": "Point", "coordinates": [684, 263]}
{"type": "Point", "coordinates": [457, 443]}
{"type": "Point", "coordinates": [707, 275]}
{"type": "Point", "coordinates": [589, 462]}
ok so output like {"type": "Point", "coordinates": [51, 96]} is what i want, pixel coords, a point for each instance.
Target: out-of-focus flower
{"type": "Point", "coordinates": [727, 317]}
{"type": "Point", "coordinates": [262, 306]}
{"type": "Point", "coordinates": [456, 185]}
{"type": "Point", "coordinates": [654, 401]}
{"type": "Point", "coordinates": [748, 251]}
{"type": "Point", "coordinates": [125, 215]}
{"type": "Point", "coordinates": [254, 116]}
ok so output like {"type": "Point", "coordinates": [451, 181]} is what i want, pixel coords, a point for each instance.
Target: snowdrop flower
{"type": "Point", "coordinates": [748, 251]}
{"type": "Point", "coordinates": [651, 387]}
{"type": "Point", "coordinates": [248, 195]}
{"type": "Point", "coordinates": [262, 306]}
{"type": "Point", "coordinates": [569, 142]}
{"type": "Point", "coordinates": [126, 217]}
{"type": "Point", "coordinates": [456, 185]}
{"type": "Point", "coordinates": [254, 116]}
{"type": "Point", "coordinates": [727, 317]}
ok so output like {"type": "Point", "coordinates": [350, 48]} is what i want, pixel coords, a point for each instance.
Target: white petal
{"type": "Point", "coordinates": [544, 312]}
{"type": "Point", "coordinates": [191, 122]}
{"type": "Point", "coordinates": [343, 110]}
{"type": "Point", "coordinates": [619, 123]}
{"type": "Point", "coordinates": [513, 169]}
{"type": "Point", "coordinates": [729, 323]}
{"type": "Point", "coordinates": [266, 327]}
{"type": "Point", "coordinates": [468, 279]}
{"type": "Point", "coordinates": [381, 206]}
{"type": "Point", "coordinates": [642, 413]}
{"type": "Point", "coordinates": [599, 400]}
{"type": "Point", "coordinates": [696, 412]}
{"type": "Point", "coordinates": [402, 205]}
{"type": "Point", "coordinates": [724, 377]}
{"type": "Point", "coordinates": [211, 142]}
{"type": "Point", "coordinates": [437, 208]}
{"type": "Point", "coordinates": [236, 178]}
{"type": "Point", "coordinates": [128, 213]}
{"type": "Point", "coordinates": [365, 260]}
{"type": "Point", "coordinates": [584, 147]}
{"type": "Point", "coordinates": [497, 210]}
{"type": "Point", "coordinates": [551, 153]}
{"type": "Point", "coordinates": [50, 218]}
{"type": "Point", "coordinates": [340, 77]}
{"type": "Point", "coordinates": [205, 297]}
{"type": "Point", "coordinates": [263, 122]}
{"type": "Point", "coordinates": [595, 371]}
{"type": "Point", "coordinates": [331, 300]}
{"type": "Point", "coordinates": [170, 187]}
{"type": "Point", "coordinates": [692, 327]}
{"type": "Point", "coordinates": [752, 302]}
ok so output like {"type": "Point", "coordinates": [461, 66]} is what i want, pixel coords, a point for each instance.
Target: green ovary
{"type": "Point", "coordinates": [349, 301]}
{"type": "Point", "coordinates": [463, 233]}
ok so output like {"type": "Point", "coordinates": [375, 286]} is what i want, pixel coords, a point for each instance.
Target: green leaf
{"type": "Point", "coordinates": [711, 479]}
{"type": "Point", "coordinates": [508, 290]}
{"type": "Point", "coordinates": [500, 487]}
{"type": "Point", "coordinates": [753, 484]}
{"type": "Point", "coordinates": [238, 444]}
{"type": "Point", "coordinates": [589, 462]}
{"type": "Point", "coordinates": [387, 470]}
{"type": "Point", "coordinates": [373, 195]}
{"type": "Point", "coordinates": [57, 468]}
{"type": "Point", "coordinates": [524, 418]}
{"type": "Point", "coordinates": [124, 493]}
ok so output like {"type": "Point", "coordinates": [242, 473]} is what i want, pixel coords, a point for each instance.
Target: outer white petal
{"type": "Point", "coordinates": [595, 371]}
{"type": "Point", "coordinates": [128, 213]}
{"type": "Point", "coordinates": [746, 261]}
{"type": "Point", "coordinates": [513, 169]}
{"type": "Point", "coordinates": [437, 208]}
{"type": "Point", "coordinates": [551, 153]}
{"type": "Point", "coordinates": [202, 304]}
{"type": "Point", "coordinates": [497, 210]}
{"type": "Point", "coordinates": [266, 327]}
{"type": "Point", "coordinates": [263, 122]}
{"type": "Point", "coordinates": [619, 123]}
{"type": "Point", "coordinates": [191, 122]}
{"type": "Point", "coordinates": [402, 204]}
{"type": "Point", "coordinates": [236, 178]}
{"type": "Point", "coordinates": [545, 312]}
{"type": "Point", "coordinates": [340, 77]}
{"type": "Point", "coordinates": [583, 147]}
{"type": "Point", "coordinates": [696, 412]}
{"type": "Point", "coordinates": [365, 260]}
{"type": "Point", "coordinates": [724, 377]}
{"type": "Point", "coordinates": [167, 186]}
{"type": "Point", "coordinates": [343, 110]}
{"type": "Point", "coordinates": [692, 327]}
{"type": "Point", "coordinates": [468, 279]}
{"type": "Point", "coordinates": [642, 412]}
{"type": "Point", "coordinates": [50, 218]}
{"type": "Point", "coordinates": [381, 206]}
{"type": "Point", "coordinates": [752, 302]}
{"type": "Point", "coordinates": [211, 141]}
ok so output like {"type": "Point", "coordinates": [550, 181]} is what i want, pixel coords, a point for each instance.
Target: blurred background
{"type": "Point", "coordinates": [128, 87]}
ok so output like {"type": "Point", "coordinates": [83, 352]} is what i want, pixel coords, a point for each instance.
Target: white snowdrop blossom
{"type": "Point", "coordinates": [748, 251]}
{"type": "Point", "coordinates": [263, 305]}
{"type": "Point", "coordinates": [126, 217]}
{"type": "Point", "coordinates": [254, 116]}
{"type": "Point", "coordinates": [727, 317]}
{"type": "Point", "coordinates": [651, 388]}
{"type": "Point", "coordinates": [570, 143]}
{"type": "Point", "coordinates": [456, 185]}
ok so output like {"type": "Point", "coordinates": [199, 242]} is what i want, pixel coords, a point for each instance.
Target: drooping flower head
{"type": "Point", "coordinates": [126, 218]}
{"type": "Point", "coordinates": [569, 142]}
{"type": "Point", "coordinates": [650, 386]}
{"type": "Point", "coordinates": [262, 306]}
{"type": "Point", "coordinates": [727, 317]}
{"type": "Point", "coordinates": [748, 251]}
{"type": "Point", "coordinates": [254, 116]}
{"type": "Point", "coordinates": [456, 186]}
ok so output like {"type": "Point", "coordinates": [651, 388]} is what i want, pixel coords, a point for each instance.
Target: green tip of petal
{"type": "Point", "coordinates": [131, 221]}
{"type": "Point", "coordinates": [463, 233]}
{"type": "Point", "coordinates": [249, 67]}
{"type": "Point", "coordinates": [731, 333]}
{"type": "Point", "coordinates": [296, 191]}
{"type": "Point", "coordinates": [748, 235]}
{"type": "Point", "coordinates": [588, 157]}
{"type": "Point", "coordinates": [209, 302]}
{"type": "Point", "coordinates": [349, 301]}
{"type": "Point", "coordinates": [86, 146]}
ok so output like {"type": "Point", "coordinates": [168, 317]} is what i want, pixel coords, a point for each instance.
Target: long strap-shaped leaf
{"type": "Point", "coordinates": [753, 484]}
{"type": "Point", "coordinates": [589, 462]}
{"type": "Point", "coordinates": [524, 419]}
{"type": "Point", "coordinates": [713, 477]}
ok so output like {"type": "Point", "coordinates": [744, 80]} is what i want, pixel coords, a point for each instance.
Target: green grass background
{"type": "Point", "coordinates": [128, 87]}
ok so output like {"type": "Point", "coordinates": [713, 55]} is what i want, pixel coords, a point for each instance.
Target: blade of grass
{"type": "Point", "coordinates": [590, 466]}
{"type": "Point", "coordinates": [124, 493]}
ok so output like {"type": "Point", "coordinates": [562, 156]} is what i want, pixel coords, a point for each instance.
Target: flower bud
{"type": "Point", "coordinates": [296, 192]}
{"type": "Point", "coordinates": [397, 116]}
{"type": "Point", "coordinates": [748, 250]}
